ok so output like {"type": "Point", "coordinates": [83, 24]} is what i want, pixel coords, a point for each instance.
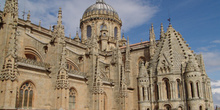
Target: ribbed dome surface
{"type": "Point", "coordinates": [100, 8]}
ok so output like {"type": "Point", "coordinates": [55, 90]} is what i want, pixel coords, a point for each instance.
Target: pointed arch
{"type": "Point", "coordinates": [167, 88]}
{"type": "Point", "coordinates": [72, 99]}
{"type": "Point", "coordinates": [25, 96]}
{"type": "Point", "coordinates": [33, 54]}
{"type": "Point", "coordinates": [71, 65]}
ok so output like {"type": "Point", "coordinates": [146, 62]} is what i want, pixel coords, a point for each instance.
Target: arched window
{"type": "Point", "coordinates": [167, 107]}
{"type": "Point", "coordinates": [178, 88]}
{"type": "Point", "coordinates": [167, 88]}
{"type": "Point", "coordinates": [72, 99]}
{"type": "Point", "coordinates": [71, 66]}
{"type": "Point", "coordinates": [200, 107]}
{"type": "Point", "coordinates": [143, 93]}
{"type": "Point", "coordinates": [89, 31]}
{"type": "Point", "coordinates": [115, 32]}
{"type": "Point", "coordinates": [197, 87]}
{"type": "Point", "coordinates": [180, 108]}
{"type": "Point", "coordinates": [26, 94]}
{"type": "Point", "coordinates": [192, 90]}
{"type": "Point", "coordinates": [31, 56]}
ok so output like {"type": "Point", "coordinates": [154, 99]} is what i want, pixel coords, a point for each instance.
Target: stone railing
{"type": "Point", "coordinates": [33, 63]}
{"type": "Point", "coordinates": [77, 73]}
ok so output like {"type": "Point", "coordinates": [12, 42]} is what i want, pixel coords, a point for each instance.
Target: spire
{"type": "Point", "coordinates": [58, 31]}
{"type": "Point", "coordinates": [152, 41]}
{"type": "Point", "coordinates": [59, 22]}
{"type": "Point", "coordinates": [152, 34]}
{"type": "Point", "coordinates": [162, 35]}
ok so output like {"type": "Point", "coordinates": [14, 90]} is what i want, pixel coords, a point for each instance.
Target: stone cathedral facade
{"type": "Point", "coordinates": [42, 69]}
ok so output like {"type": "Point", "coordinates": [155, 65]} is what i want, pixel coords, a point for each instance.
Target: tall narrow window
{"type": "Point", "coordinates": [178, 88]}
{"type": "Point", "coordinates": [167, 87]}
{"type": "Point", "coordinates": [197, 87]}
{"type": "Point", "coordinates": [156, 92]}
{"type": "Point", "coordinates": [143, 93]}
{"type": "Point", "coordinates": [192, 90]}
{"type": "Point", "coordinates": [72, 99]}
{"type": "Point", "coordinates": [89, 31]}
{"type": "Point", "coordinates": [115, 32]}
{"type": "Point", "coordinates": [200, 107]}
{"type": "Point", "coordinates": [25, 96]}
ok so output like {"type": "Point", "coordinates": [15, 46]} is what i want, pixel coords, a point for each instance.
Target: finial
{"type": "Point", "coordinates": [59, 16]}
{"type": "Point", "coordinates": [152, 28]}
{"type": "Point", "coordinates": [50, 28]}
{"type": "Point", "coordinates": [28, 16]}
{"type": "Point", "coordinates": [70, 36]}
{"type": "Point", "coordinates": [161, 31]}
{"type": "Point", "coordinates": [128, 43]}
{"type": "Point", "coordinates": [99, 1]}
{"type": "Point", "coordinates": [169, 20]}
{"type": "Point", "coordinates": [40, 23]}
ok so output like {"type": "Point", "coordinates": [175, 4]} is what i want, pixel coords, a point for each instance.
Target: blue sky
{"type": "Point", "coordinates": [197, 20]}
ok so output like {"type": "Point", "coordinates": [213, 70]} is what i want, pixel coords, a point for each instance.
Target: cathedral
{"type": "Point", "coordinates": [42, 69]}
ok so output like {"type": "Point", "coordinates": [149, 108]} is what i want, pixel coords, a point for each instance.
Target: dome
{"type": "Point", "coordinates": [100, 8]}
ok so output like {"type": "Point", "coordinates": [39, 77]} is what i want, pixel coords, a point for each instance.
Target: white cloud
{"type": "Point", "coordinates": [216, 41]}
{"type": "Point", "coordinates": [215, 84]}
{"type": "Point", "coordinates": [216, 92]}
{"type": "Point", "coordinates": [132, 12]}
{"type": "Point", "coordinates": [212, 61]}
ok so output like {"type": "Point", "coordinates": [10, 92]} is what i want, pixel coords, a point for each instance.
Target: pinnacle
{"type": "Point", "coordinates": [59, 22]}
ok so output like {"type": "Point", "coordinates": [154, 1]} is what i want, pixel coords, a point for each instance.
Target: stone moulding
{"type": "Point", "coordinates": [33, 64]}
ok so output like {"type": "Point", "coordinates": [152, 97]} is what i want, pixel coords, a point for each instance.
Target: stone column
{"type": "Point", "coordinates": [189, 90]}
{"type": "Point", "coordinates": [152, 92]}
{"type": "Point", "coordinates": [172, 90]}
{"type": "Point", "coordinates": [195, 90]}
{"type": "Point", "coordinates": [140, 93]}
{"type": "Point", "coordinates": [160, 90]}
{"type": "Point", "coordinates": [200, 90]}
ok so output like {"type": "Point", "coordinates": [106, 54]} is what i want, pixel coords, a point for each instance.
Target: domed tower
{"type": "Point", "coordinates": [102, 21]}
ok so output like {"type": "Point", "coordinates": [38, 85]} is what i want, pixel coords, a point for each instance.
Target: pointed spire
{"type": "Point", "coordinates": [28, 16]}
{"type": "Point", "coordinates": [59, 22]}
{"type": "Point", "coordinates": [128, 43]}
{"type": "Point", "coordinates": [152, 41]}
{"type": "Point", "coordinates": [162, 34]}
{"type": "Point", "coordinates": [40, 23]}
